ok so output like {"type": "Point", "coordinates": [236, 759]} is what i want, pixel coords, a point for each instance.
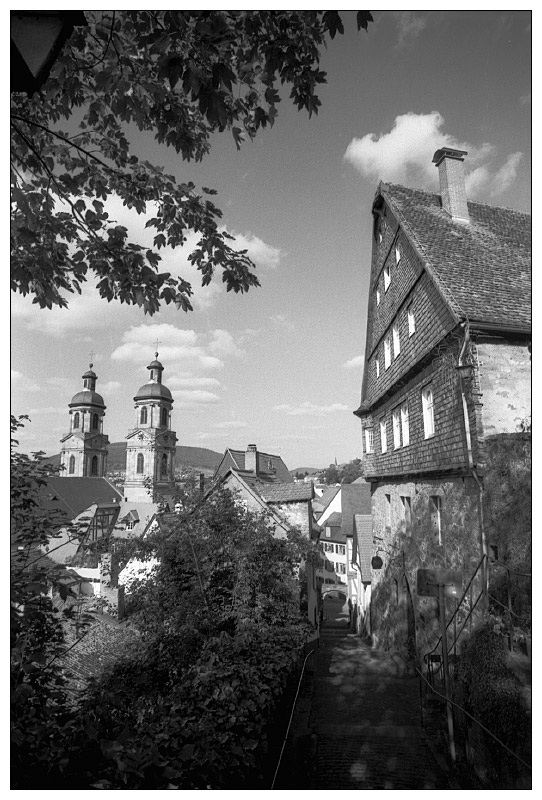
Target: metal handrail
{"type": "Point", "coordinates": [459, 606]}
{"type": "Point", "coordinates": [476, 721]}
{"type": "Point", "coordinates": [291, 717]}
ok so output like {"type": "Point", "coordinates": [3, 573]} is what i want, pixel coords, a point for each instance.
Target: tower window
{"type": "Point", "coordinates": [164, 417]}
{"type": "Point", "coordinates": [94, 422]}
{"type": "Point", "coordinates": [94, 465]}
{"type": "Point", "coordinates": [71, 468]}
{"type": "Point", "coordinates": [76, 419]}
{"type": "Point", "coordinates": [140, 463]}
{"type": "Point", "coordinates": [143, 418]}
{"type": "Point", "coordinates": [163, 466]}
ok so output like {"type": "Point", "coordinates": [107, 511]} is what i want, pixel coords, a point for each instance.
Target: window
{"type": "Point", "coordinates": [140, 463]}
{"type": "Point", "coordinates": [380, 237]}
{"type": "Point", "coordinates": [94, 422]}
{"type": "Point", "coordinates": [436, 510]}
{"type": "Point", "coordinates": [387, 352]}
{"type": "Point", "coordinates": [377, 367]}
{"type": "Point", "coordinates": [383, 436]}
{"type": "Point", "coordinates": [396, 418]}
{"type": "Point", "coordinates": [130, 526]}
{"type": "Point", "coordinates": [71, 468]}
{"type": "Point", "coordinates": [387, 510]}
{"type": "Point", "coordinates": [411, 321]}
{"type": "Point", "coordinates": [378, 297]}
{"type": "Point", "coordinates": [94, 465]}
{"type": "Point", "coordinates": [329, 566]}
{"type": "Point", "coordinates": [143, 418]}
{"type": "Point", "coordinates": [427, 407]}
{"type": "Point", "coordinates": [396, 341]}
{"type": "Point", "coordinates": [328, 547]}
{"type": "Point", "coordinates": [340, 568]}
{"type": "Point", "coordinates": [397, 254]}
{"type": "Point", "coordinates": [328, 534]}
{"type": "Point", "coordinates": [406, 521]}
{"type": "Point", "coordinates": [405, 432]}
{"type": "Point", "coordinates": [76, 420]}
{"type": "Point", "coordinates": [340, 549]}
{"type": "Point", "coordinates": [387, 277]}
{"type": "Point", "coordinates": [164, 417]}
{"type": "Point", "coordinates": [163, 466]}
{"type": "Point", "coordinates": [369, 440]}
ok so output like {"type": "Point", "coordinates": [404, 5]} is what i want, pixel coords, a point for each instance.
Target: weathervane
{"type": "Point", "coordinates": [91, 356]}
{"type": "Point", "coordinates": [157, 342]}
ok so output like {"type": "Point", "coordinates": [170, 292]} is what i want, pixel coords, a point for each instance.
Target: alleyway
{"type": "Point", "coordinates": [357, 722]}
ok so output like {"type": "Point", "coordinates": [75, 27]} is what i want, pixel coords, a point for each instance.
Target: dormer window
{"type": "Point", "coordinates": [387, 277]}
{"type": "Point", "coordinates": [378, 297]}
{"type": "Point", "coordinates": [397, 254]}
{"type": "Point", "coordinates": [411, 321]}
{"type": "Point", "coordinates": [377, 367]}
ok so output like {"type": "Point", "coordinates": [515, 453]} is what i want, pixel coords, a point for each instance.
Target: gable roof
{"type": "Point", "coordinates": [482, 270]}
{"type": "Point", "coordinates": [270, 468]}
{"type": "Point", "coordinates": [328, 496]}
{"type": "Point", "coordinates": [74, 495]}
{"type": "Point", "coordinates": [334, 520]}
{"type": "Point", "coordinates": [285, 492]}
{"type": "Point", "coordinates": [355, 499]}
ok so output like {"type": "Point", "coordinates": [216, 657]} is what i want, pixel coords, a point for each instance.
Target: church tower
{"type": "Point", "coordinates": [150, 453]}
{"type": "Point", "coordinates": [84, 448]}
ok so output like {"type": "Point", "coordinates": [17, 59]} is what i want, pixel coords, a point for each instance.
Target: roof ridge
{"type": "Point", "coordinates": [437, 194]}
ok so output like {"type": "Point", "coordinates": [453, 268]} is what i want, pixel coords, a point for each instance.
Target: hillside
{"type": "Point", "coordinates": [197, 457]}
{"type": "Point", "coordinates": [308, 470]}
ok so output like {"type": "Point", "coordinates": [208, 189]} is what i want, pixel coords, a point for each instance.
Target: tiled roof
{"type": "Point", "coordinates": [362, 550]}
{"type": "Point", "coordinates": [355, 499]}
{"type": "Point", "coordinates": [285, 492]}
{"type": "Point", "coordinates": [334, 520]}
{"type": "Point", "coordinates": [483, 269]}
{"type": "Point", "coordinates": [270, 468]}
{"type": "Point", "coordinates": [74, 495]}
{"type": "Point", "coordinates": [328, 496]}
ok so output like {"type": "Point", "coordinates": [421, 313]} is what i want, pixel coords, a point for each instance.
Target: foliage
{"type": "Point", "coordinates": [492, 693]}
{"type": "Point", "coordinates": [38, 697]}
{"type": "Point", "coordinates": [181, 75]}
{"type": "Point", "coordinates": [345, 473]}
{"type": "Point", "coordinates": [221, 632]}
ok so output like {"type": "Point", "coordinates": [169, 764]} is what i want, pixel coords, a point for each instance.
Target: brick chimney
{"type": "Point", "coordinates": [251, 458]}
{"type": "Point", "coordinates": [452, 183]}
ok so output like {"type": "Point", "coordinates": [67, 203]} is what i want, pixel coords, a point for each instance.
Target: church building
{"type": "Point", "coordinates": [84, 448]}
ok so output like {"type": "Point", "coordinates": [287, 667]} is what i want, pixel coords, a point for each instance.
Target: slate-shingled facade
{"type": "Point", "coordinates": [445, 293]}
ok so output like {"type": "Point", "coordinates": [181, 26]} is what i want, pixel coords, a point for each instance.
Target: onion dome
{"type": "Point", "coordinates": [89, 396]}
{"type": "Point", "coordinates": [154, 389]}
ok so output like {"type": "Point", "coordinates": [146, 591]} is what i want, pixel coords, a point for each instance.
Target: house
{"type": "Point", "coordinates": [447, 375]}
{"type": "Point", "coordinates": [254, 466]}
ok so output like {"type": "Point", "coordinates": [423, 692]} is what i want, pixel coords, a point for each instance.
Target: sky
{"type": "Point", "coordinates": [281, 366]}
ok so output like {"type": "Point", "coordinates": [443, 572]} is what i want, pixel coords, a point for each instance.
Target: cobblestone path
{"type": "Point", "coordinates": [357, 722]}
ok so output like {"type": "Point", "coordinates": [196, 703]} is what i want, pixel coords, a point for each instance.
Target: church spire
{"type": "Point", "coordinates": [84, 448]}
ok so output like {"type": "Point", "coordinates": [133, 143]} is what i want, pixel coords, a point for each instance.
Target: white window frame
{"type": "Point", "coordinates": [369, 441]}
{"type": "Point", "coordinates": [397, 254]}
{"type": "Point", "coordinates": [396, 424]}
{"type": "Point", "coordinates": [377, 367]}
{"type": "Point", "coordinates": [340, 568]}
{"type": "Point", "coordinates": [387, 352]}
{"type": "Point", "coordinates": [428, 409]}
{"type": "Point", "coordinates": [341, 549]}
{"type": "Point", "coordinates": [396, 340]}
{"type": "Point", "coordinates": [383, 436]}
{"type": "Point", "coordinates": [387, 510]}
{"type": "Point", "coordinates": [405, 427]}
{"type": "Point", "coordinates": [411, 321]}
{"type": "Point", "coordinates": [436, 518]}
{"type": "Point", "coordinates": [378, 297]}
{"type": "Point", "coordinates": [387, 277]}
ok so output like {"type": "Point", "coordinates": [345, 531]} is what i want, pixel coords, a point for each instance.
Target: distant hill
{"type": "Point", "coordinates": [197, 457]}
{"type": "Point", "coordinates": [303, 470]}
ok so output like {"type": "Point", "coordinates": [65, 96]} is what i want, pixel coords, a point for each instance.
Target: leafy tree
{"type": "Point", "coordinates": [182, 75]}
{"type": "Point", "coordinates": [349, 472]}
{"type": "Point", "coordinates": [331, 475]}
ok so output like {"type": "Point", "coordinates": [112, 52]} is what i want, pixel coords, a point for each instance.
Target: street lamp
{"type": "Point", "coordinates": [36, 40]}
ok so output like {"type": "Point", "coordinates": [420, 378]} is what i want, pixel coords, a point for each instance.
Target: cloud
{"type": "Point", "coordinates": [310, 409]}
{"type": "Point", "coordinates": [506, 175]}
{"type": "Point", "coordinates": [229, 425]}
{"type": "Point", "coordinates": [282, 322]}
{"type": "Point", "coordinates": [22, 383]}
{"type": "Point", "coordinates": [223, 344]}
{"type": "Point", "coordinates": [409, 27]}
{"type": "Point", "coordinates": [405, 155]}
{"type": "Point", "coordinates": [175, 346]}
{"type": "Point", "coordinates": [354, 363]}
{"type": "Point", "coordinates": [191, 382]}
{"type": "Point", "coordinates": [111, 387]}
{"type": "Point", "coordinates": [194, 397]}
{"type": "Point", "coordinates": [263, 255]}
{"type": "Point", "coordinates": [56, 410]}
